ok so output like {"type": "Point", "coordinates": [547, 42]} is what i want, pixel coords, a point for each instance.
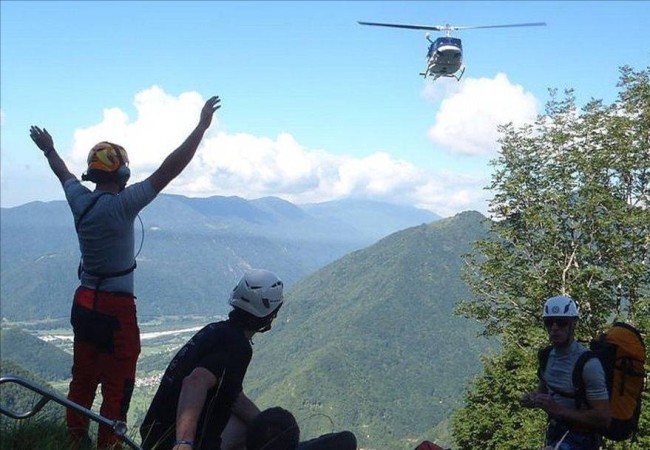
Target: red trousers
{"type": "Point", "coordinates": [106, 350]}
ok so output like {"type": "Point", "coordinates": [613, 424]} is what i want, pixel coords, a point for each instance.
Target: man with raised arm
{"type": "Point", "coordinates": [103, 317]}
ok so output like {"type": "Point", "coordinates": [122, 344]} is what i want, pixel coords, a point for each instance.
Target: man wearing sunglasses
{"type": "Point", "coordinates": [573, 424]}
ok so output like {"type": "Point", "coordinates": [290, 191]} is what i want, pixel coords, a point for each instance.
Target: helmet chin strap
{"type": "Point", "coordinates": [267, 326]}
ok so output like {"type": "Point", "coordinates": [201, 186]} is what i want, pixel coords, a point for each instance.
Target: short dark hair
{"type": "Point", "coordinates": [249, 321]}
{"type": "Point", "coordinates": [273, 429]}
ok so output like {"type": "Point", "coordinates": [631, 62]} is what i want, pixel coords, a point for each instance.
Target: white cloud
{"type": "Point", "coordinates": [252, 166]}
{"type": "Point", "coordinates": [162, 123]}
{"type": "Point", "coordinates": [469, 114]}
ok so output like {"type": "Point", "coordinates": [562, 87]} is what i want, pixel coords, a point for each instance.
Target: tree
{"type": "Point", "coordinates": [571, 216]}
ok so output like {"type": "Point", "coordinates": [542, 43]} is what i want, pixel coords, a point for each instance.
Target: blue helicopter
{"type": "Point", "coordinates": [445, 54]}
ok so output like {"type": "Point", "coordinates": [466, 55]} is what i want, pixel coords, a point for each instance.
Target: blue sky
{"type": "Point", "coordinates": [314, 106]}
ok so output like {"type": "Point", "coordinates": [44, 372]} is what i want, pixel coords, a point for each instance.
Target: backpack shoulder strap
{"type": "Point", "coordinates": [542, 359]}
{"type": "Point", "coordinates": [578, 383]}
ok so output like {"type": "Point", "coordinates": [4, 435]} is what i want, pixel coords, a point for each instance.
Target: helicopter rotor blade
{"type": "Point", "coordinates": [533, 24]}
{"type": "Point", "coordinates": [400, 25]}
{"type": "Point", "coordinates": [449, 27]}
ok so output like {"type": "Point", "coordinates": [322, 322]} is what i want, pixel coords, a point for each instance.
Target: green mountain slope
{"type": "Point", "coordinates": [370, 341]}
{"type": "Point", "coordinates": [41, 358]}
{"type": "Point", "coordinates": [18, 399]}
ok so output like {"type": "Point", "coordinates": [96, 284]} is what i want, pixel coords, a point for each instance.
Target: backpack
{"type": "Point", "coordinates": [622, 353]}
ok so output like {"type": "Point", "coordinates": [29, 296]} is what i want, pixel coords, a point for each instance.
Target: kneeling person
{"type": "Point", "coordinates": [202, 387]}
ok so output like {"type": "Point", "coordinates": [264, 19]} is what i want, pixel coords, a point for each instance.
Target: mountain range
{"type": "Point", "coordinates": [193, 249]}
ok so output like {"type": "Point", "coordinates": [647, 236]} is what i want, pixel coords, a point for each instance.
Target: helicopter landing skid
{"type": "Point", "coordinates": [462, 71]}
{"type": "Point", "coordinates": [435, 76]}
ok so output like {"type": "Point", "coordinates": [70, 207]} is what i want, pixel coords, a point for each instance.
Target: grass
{"type": "Point", "coordinates": [43, 434]}
{"type": "Point", "coordinates": [33, 433]}
{"type": "Point", "coordinates": [49, 432]}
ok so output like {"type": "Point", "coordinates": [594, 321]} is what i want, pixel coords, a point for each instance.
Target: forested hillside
{"type": "Point", "coordinates": [19, 400]}
{"type": "Point", "coordinates": [39, 357]}
{"type": "Point", "coordinates": [371, 342]}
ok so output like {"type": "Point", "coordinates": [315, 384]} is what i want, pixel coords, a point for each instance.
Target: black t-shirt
{"type": "Point", "coordinates": [223, 349]}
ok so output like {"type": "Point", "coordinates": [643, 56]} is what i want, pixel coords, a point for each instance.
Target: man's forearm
{"type": "Point", "coordinates": [57, 165]}
{"type": "Point", "coordinates": [182, 156]}
{"type": "Point", "coordinates": [245, 409]}
{"type": "Point", "coordinates": [593, 419]}
{"type": "Point", "coordinates": [190, 404]}
{"type": "Point", "coordinates": [191, 400]}
{"type": "Point", "coordinates": [177, 160]}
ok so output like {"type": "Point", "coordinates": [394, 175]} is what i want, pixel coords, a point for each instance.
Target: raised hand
{"type": "Point", "coordinates": [208, 110]}
{"type": "Point", "coordinates": [41, 138]}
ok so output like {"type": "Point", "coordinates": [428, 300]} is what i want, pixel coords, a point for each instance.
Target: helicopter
{"type": "Point", "coordinates": [445, 54]}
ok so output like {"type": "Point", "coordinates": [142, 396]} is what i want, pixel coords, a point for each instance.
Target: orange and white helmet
{"type": "Point", "coordinates": [107, 161]}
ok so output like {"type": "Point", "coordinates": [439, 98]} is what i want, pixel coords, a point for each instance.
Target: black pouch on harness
{"type": "Point", "coordinates": [94, 327]}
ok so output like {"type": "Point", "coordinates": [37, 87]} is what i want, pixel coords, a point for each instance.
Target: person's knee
{"type": "Point", "coordinates": [347, 440]}
{"type": "Point", "coordinates": [273, 429]}
{"type": "Point", "coordinates": [342, 440]}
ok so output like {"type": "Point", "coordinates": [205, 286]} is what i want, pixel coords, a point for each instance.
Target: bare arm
{"type": "Point", "coordinates": [177, 160]}
{"type": "Point", "coordinates": [244, 408]}
{"type": "Point", "coordinates": [596, 417]}
{"type": "Point", "coordinates": [44, 141]}
{"type": "Point", "coordinates": [190, 403]}
{"type": "Point", "coordinates": [244, 411]}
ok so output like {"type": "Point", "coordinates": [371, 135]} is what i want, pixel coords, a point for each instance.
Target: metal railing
{"type": "Point", "coordinates": [118, 427]}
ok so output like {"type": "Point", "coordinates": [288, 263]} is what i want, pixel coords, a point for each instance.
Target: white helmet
{"type": "Point", "coordinates": [560, 306]}
{"type": "Point", "coordinates": [259, 292]}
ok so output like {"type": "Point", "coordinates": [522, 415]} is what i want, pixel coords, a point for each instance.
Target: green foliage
{"type": "Point", "coordinates": [571, 201]}
{"type": "Point", "coordinates": [493, 416]}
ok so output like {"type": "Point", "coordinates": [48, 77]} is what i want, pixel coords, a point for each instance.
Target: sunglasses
{"type": "Point", "coordinates": [561, 322]}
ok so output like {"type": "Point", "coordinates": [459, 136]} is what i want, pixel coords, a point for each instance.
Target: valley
{"type": "Point", "coordinates": [367, 339]}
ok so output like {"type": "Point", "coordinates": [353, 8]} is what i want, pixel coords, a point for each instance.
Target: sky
{"type": "Point", "coordinates": [315, 107]}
